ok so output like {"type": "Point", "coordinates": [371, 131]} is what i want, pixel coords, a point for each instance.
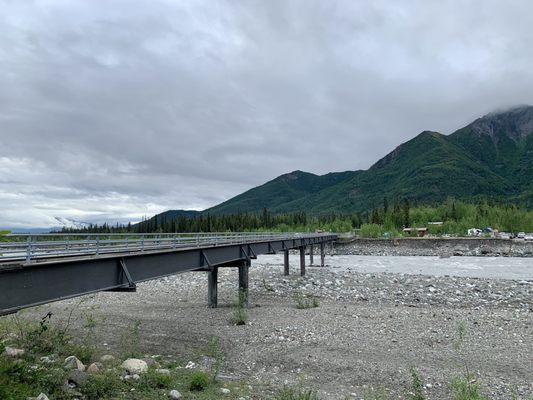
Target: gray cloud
{"type": "Point", "coordinates": [115, 110]}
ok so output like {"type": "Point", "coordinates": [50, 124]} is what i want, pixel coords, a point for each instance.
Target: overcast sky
{"type": "Point", "coordinates": [111, 110]}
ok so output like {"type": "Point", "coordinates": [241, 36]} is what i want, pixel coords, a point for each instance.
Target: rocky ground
{"type": "Point", "coordinates": [444, 247]}
{"type": "Point", "coordinates": [367, 332]}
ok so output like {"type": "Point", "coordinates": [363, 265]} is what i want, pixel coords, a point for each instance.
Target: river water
{"type": "Point", "coordinates": [473, 267]}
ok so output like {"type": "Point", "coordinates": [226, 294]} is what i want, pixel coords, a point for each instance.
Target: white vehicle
{"type": "Point", "coordinates": [529, 236]}
{"type": "Point", "coordinates": [521, 235]}
{"type": "Point", "coordinates": [504, 235]}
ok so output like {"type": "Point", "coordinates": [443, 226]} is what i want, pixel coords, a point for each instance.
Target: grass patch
{"type": "Point", "coordinates": [198, 381]}
{"type": "Point", "coordinates": [305, 301]}
{"type": "Point", "coordinates": [289, 393]}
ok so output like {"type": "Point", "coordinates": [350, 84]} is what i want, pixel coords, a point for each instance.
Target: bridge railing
{"type": "Point", "coordinates": [37, 247]}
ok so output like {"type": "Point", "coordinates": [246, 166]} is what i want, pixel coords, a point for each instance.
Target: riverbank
{"type": "Point", "coordinates": [368, 330]}
{"type": "Point", "coordinates": [444, 247]}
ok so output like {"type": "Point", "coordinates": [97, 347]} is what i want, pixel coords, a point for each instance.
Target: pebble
{"type": "Point", "coordinates": [174, 395]}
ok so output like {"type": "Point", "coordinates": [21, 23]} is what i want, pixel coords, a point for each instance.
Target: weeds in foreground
{"type": "Point", "coordinates": [417, 386]}
{"type": "Point", "coordinates": [214, 351]}
{"type": "Point", "coordinates": [130, 340]}
{"type": "Point", "coordinates": [198, 381]}
{"type": "Point", "coordinates": [376, 394]}
{"type": "Point", "coordinates": [289, 393]}
{"type": "Point", "coordinates": [305, 301]}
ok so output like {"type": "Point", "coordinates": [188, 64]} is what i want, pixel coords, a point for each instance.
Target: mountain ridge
{"type": "Point", "coordinates": [490, 157]}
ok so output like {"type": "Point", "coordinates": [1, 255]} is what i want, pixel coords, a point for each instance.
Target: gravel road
{"type": "Point", "coordinates": [369, 329]}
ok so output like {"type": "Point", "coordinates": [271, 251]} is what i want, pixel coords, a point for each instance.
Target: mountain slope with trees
{"type": "Point", "coordinates": [489, 158]}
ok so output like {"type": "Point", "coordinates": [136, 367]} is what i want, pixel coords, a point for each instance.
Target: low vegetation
{"type": "Point", "coordinates": [305, 301]}
{"type": "Point", "coordinates": [41, 367]}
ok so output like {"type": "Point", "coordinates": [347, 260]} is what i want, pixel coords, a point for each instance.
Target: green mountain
{"type": "Point", "coordinates": [490, 158]}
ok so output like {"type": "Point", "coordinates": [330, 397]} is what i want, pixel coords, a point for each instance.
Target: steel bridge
{"type": "Point", "coordinates": [39, 269]}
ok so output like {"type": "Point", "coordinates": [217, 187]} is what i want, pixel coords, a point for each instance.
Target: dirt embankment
{"type": "Point", "coordinates": [435, 247]}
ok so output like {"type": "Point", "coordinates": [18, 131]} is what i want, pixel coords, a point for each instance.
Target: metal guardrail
{"type": "Point", "coordinates": [28, 248]}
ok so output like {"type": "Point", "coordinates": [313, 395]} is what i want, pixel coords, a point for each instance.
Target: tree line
{"type": "Point", "coordinates": [457, 217]}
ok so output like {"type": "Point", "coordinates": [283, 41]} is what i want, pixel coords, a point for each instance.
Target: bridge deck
{"type": "Point", "coordinates": [37, 269]}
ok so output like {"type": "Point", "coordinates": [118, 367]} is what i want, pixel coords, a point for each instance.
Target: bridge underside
{"type": "Point", "coordinates": [30, 284]}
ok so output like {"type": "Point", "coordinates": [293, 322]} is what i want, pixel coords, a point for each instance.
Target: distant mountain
{"type": "Point", "coordinates": [70, 223]}
{"type": "Point", "coordinates": [489, 158]}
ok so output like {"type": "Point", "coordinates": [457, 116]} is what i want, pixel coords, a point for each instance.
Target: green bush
{"type": "Point", "coordinates": [304, 302]}
{"type": "Point", "coordinates": [370, 231]}
{"type": "Point", "coordinates": [155, 380]}
{"type": "Point", "coordinates": [198, 381]}
{"type": "Point", "coordinates": [288, 393]}
{"type": "Point", "coordinates": [102, 386]}
{"type": "Point", "coordinates": [465, 389]}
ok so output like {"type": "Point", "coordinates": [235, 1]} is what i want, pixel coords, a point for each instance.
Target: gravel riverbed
{"type": "Point", "coordinates": [369, 329]}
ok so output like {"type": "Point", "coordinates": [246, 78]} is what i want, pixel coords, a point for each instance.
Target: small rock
{"type": "Point", "coordinates": [73, 363]}
{"type": "Point", "coordinates": [190, 365]}
{"type": "Point", "coordinates": [76, 378]}
{"type": "Point", "coordinates": [13, 352]}
{"type": "Point", "coordinates": [94, 368]}
{"type": "Point", "coordinates": [225, 391]}
{"type": "Point", "coordinates": [174, 395]}
{"type": "Point", "coordinates": [135, 366]}
{"type": "Point", "coordinates": [107, 358]}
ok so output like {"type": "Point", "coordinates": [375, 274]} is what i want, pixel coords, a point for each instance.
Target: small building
{"type": "Point", "coordinates": [436, 223]}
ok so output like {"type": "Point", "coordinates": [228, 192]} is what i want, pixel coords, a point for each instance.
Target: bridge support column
{"type": "Point", "coordinates": [286, 262]}
{"type": "Point", "coordinates": [322, 254]}
{"type": "Point", "coordinates": [311, 254]}
{"type": "Point", "coordinates": [302, 260]}
{"type": "Point", "coordinates": [212, 288]}
{"type": "Point", "coordinates": [243, 283]}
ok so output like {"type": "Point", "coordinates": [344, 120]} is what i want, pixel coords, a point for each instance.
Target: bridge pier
{"type": "Point", "coordinates": [322, 254]}
{"type": "Point", "coordinates": [311, 251]}
{"type": "Point", "coordinates": [286, 262]}
{"type": "Point", "coordinates": [212, 287]}
{"type": "Point", "coordinates": [302, 260]}
{"type": "Point", "coordinates": [244, 283]}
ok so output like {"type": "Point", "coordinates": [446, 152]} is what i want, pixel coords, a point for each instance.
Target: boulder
{"type": "Point", "coordinates": [135, 366]}
{"type": "Point", "coordinates": [225, 391]}
{"type": "Point", "coordinates": [94, 368]}
{"type": "Point", "coordinates": [76, 378]}
{"type": "Point", "coordinates": [72, 362]}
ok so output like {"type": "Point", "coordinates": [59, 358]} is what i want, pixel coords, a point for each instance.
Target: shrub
{"type": "Point", "coordinates": [303, 301]}
{"type": "Point", "coordinates": [288, 393]}
{"type": "Point", "coordinates": [417, 387]}
{"type": "Point", "coordinates": [155, 380]}
{"type": "Point", "coordinates": [370, 231]}
{"type": "Point", "coordinates": [198, 381]}
{"type": "Point", "coordinates": [102, 386]}
{"type": "Point", "coordinates": [464, 389]}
